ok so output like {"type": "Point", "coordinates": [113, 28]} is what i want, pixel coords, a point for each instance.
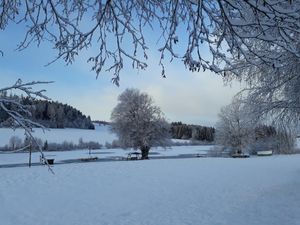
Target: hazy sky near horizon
{"type": "Point", "coordinates": [183, 96]}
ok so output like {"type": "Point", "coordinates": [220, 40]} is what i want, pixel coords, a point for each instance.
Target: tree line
{"type": "Point", "coordinates": [180, 130]}
{"type": "Point", "coordinates": [48, 113]}
{"type": "Point", "coordinates": [17, 144]}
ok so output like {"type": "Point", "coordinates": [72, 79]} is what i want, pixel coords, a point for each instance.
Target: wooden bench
{"type": "Point", "coordinates": [89, 159]}
{"type": "Point", "coordinates": [134, 156]}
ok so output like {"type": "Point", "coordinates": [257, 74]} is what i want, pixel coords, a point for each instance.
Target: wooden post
{"type": "Point", "coordinates": [30, 148]}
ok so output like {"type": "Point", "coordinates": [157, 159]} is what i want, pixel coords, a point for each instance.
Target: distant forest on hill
{"type": "Point", "coordinates": [50, 114]}
{"type": "Point", "coordinates": [57, 115]}
{"type": "Point", "coordinates": [180, 130]}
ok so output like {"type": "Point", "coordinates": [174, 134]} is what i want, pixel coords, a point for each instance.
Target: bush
{"type": "Point", "coordinates": [15, 143]}
{"type": "Point", "coordinates": [220, 151]}
{"type": "Point", "coordinates": [108, 145]}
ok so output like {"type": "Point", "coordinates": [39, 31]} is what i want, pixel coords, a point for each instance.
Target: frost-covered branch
{"type": "Point", "coordinates": [230, 30]}
{"type": "Point", "coordinates": [273, 91]}
{"type": "Point", "coordinates": [18, 113]}
{"type": "Point", "coordinates": [27, 88]}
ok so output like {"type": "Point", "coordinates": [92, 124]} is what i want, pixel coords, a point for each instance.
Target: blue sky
{"type": "Point", "coordinates": [183, 96]}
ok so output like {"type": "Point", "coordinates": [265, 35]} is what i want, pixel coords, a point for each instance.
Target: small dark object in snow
{"type": "Point", "coordinates": [89, 159]}
{"type": "Point", "coordinates": [50, 161]}
{"type": "Point", "coordinates": [240, 155]}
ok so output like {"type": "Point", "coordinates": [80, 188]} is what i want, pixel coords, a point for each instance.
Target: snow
{"type": "Point", "coordinates": [202, 191]}
{"type": "Point", "coordinates": [101, 134]}
{"type": "Point", "coordinates": [13, 158]}
{"type": "Point", "coordinates": [206, 191]}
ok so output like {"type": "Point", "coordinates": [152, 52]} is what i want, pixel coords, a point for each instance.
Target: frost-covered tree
{"type": "Point", "coordinates": [138, 123]}
{"type": "Point", "coordinates": [280, 140]}
{"type": "Point", "coordinates": [272, 95]}
{"type": "Point", "coordinates": [273, 92]}
{"type": "Point", "coordinates": [18, 112]}
{"type": "Point", "coordinates": [235, 129]}
{"type": "Point", "coordinates": [118, 29]}
{"type": "Point", "coordinates": [240, 128]}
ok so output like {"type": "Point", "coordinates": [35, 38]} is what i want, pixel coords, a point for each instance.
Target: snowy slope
{"type": "Point", "coordinates": [205, 191]}
{"type": "Point", "coordinates": [101, 134]}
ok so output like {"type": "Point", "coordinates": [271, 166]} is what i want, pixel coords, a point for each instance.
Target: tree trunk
{"type": "Point", "coordinates": [145, 152]}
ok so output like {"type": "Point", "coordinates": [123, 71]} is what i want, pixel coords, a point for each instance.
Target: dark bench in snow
{"type": "Point", "coordinates": [89, 159]}
{"type": "Point", "coordinates": [49, 161]}
{"type": "Point", "coordinates": [240, 155]}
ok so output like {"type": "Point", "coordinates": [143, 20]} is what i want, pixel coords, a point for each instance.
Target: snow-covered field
{"type": "Point", "coordinates": [101, 134]}
{"type": "Point", "coordinates": [205, 191]}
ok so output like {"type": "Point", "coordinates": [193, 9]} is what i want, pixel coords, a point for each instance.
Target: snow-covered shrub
{"type": "Point", "coordinates": [94, 145]}
{"type": "Point", "coordinates": [61, 146]}
{"type": "Point", "coordinates": [15, 143]}
{"type": "Point", "coordinates": [107, 145]}
{"type": "Point", "coordinates": [219, 151]}
{"type": "Point", "coordinates": [285, 143]}
{"type": "Point", "coordinates": [115, 144]}
{"type": "Point", "coordinates": [280, 141]}
{"type": "Point", "coordinates": [33, 145]}
{"type": "Point", "coordinates": [87, 145]}
{"type": "Point", "coordinates": [67, 145]}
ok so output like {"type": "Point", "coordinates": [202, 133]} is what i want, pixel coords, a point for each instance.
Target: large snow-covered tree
{"type": "Point", "coordinates": [118, 30]}
{"type": "Point", "coordinates": [235, 128]}
{"type": "Point", "coordinates": [138, 123]}
{"type": "Point", "coordinates": [241, 127]}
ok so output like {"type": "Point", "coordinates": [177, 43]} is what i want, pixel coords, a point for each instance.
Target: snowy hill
{"type": "Point", "coordinates": [48, 113]}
